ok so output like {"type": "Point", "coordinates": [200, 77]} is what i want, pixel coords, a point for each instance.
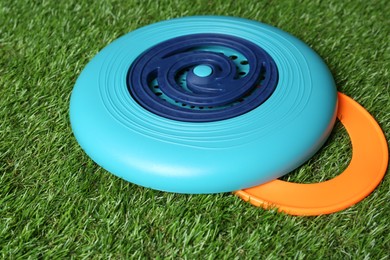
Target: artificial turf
{"type": "Point", "coordinates": [55, 202]}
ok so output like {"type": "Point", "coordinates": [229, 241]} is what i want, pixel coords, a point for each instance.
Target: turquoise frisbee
{"type": "Point", "coordinates": [203, 104]}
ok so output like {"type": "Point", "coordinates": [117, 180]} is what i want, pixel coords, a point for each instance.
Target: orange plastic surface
{"type": "Point", "coordinates": [365, 171]}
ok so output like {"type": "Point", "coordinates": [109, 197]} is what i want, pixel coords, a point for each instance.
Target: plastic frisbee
{"type": "Point", "coordinates": [203, 105]}
{"type": "Point", "coordinates": [365, 171]}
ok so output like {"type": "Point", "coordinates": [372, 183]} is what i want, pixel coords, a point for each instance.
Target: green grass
{"type": "Point", "coordinates": [57, 203]}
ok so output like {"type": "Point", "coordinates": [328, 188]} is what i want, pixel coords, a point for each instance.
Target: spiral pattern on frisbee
{"type": "Point", "coordinates": [202, 77]}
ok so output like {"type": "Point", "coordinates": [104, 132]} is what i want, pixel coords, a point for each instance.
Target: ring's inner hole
{"type": "Point", "coordinates": [330, 161]}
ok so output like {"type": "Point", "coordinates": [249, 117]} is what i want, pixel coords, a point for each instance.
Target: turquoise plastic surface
{"type": "Point", "coordinates": [227, 155]}
{"type": "Point", "coordinates": [203, 70]}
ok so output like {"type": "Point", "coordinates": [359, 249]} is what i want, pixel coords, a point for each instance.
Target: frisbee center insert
{"type": "Point", "coordinates": [202, 77]}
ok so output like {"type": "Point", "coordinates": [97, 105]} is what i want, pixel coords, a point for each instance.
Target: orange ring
{"type": "Point", "coordinates": [365, 171]}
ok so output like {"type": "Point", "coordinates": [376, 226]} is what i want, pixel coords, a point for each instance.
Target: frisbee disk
{"type": "Point", "coordinates": [203, 105]}
{"type": "Point", "coordinates": [365, 171]}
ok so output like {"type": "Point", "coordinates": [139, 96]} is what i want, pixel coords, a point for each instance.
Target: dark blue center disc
{"type": "Point", "coordinates": [202, 77]}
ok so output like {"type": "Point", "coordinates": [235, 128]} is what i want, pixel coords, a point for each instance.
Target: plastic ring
{"type": "Point", "coordinates": [364, 173]}
{"type": "Point", "coordinates": [203, 157]}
